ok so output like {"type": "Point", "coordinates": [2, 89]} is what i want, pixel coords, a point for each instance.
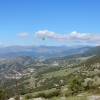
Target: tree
{"type": "Point", "coordinates": [75, 84]}
{"type": "Point", "coordinates": [3, 95]}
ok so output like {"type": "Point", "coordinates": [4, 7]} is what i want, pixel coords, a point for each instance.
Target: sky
{"type": "Point", "coordinates": [62, 22]}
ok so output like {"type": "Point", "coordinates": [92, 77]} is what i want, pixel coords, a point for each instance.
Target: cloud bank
{"type": "Point", "coordinates": [72, 37]}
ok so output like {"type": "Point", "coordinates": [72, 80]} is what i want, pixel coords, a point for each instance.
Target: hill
{"type": "Point", "coordinates": [89, 53]}
{"type": "Point", "coordinates": [51, 73]}
{"type": "Point", "coordinates": [55, 75]}
{"type": "Point", "coordinates": [92, 51]}
{"type": "Point", "coordinates": [17, 63]}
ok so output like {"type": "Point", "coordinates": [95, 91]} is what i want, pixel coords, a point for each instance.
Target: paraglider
{"type": "Point", "coordinates": [44, 39]}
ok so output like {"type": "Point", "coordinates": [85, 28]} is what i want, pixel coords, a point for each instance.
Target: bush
{"type": "Point", "coordinates": [28, 96]}
{"type": "Point", "coordinates": [75, 85]}
{"type": "Point", "coordinates": [52, 94]}
{"type": "Point", "coordinates": [16, 98]}
{"type": "Point", "coordinates": [40, 95]}
{"type": "Point", "coordinates": [3, 95]}
{"type": "Point", "coordinates": [68, 93]}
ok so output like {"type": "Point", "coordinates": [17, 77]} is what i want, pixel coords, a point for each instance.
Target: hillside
{"type": "Point", "coordinates": [37, 73]}
{"type": "Point", "coordinates": [92, 51]}
{"type": "Point", "coordinates": [17, 63]}
{"type": "Point", "coordinates": [89, 68]}
{"type": "Point", "coordinates": [89, 53]}
{"type": "Point", "coordinates": [49, 73]}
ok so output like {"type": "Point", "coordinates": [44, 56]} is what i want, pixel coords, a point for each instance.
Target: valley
{"type": "Point", "coordinates": [52, 75]}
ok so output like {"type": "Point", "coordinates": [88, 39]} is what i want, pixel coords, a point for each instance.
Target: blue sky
{"type": "Point", "coordinates": [63, 22]}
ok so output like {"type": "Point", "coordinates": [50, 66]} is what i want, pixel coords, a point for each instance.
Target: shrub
{"type": "Point", "coordinates": [28, 96]}
{"type": "Point", "coordinates": [40, 95]}
{"type": "Point", "coordinates": [75, 84]}
{"type": "Point", "coordinates": [52, 94]}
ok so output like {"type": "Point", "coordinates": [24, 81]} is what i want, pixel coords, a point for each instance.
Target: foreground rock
{"type": "Point", "coordinates": [93, 97]}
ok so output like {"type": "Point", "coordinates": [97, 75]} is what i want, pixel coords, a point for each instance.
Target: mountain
{"type": "Point", "coordinates": [21, 62]}
{"type": "Point", "coordinates": [41, 51]}
{"type": "Point", "coordinates": [92, 51]}
{"type": "Point", "coordinates": [18, 63]}
{"type": "Point", "coordinates": [88, 53]}
{"type": "Point", "coordinates": [53, 73]}
{"type": "Point", "coordinates": [44, 74]}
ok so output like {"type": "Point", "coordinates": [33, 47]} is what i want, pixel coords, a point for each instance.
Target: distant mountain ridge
{"type": "Point", "coordinates": [41, 51]}
{"type": "Point", "coordinates": [92, 51]}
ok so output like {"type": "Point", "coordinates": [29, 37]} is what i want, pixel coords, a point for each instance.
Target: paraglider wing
{"type": "Point", "coordinates": [44, 38]}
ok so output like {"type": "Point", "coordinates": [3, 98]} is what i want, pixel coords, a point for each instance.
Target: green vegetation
{"type": "Point", "coordinates": [48, 95]}
{"type": "Point", "coordinates": [91, 52]}
{"type": "Point", "coordinates": [3, 95]}
{"type": "Point", "coordinates": [75, 85]}
{"type": "Point", "coordinates": [63, 72]}
{"type": "Point", "coordinates": [77, 74]}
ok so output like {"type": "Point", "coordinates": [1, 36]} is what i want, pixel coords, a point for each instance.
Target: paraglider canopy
{"type": "Point", "coordinates": [44, 38]}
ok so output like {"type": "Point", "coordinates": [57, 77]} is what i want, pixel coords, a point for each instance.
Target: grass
{"type": "Point", "coordinates": [70, 98]}
{"type": "Point", "coordinates": [40, 64]}
{"type": "Point", "coordinates": [83, 97]}
{"type": "Point", "coordinates": [63, 72]}
{"type": "Point", "coordinates": [60, 72]}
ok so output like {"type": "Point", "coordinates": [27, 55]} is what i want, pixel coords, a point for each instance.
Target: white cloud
{"type": "Point", "coordinates": [78, 37]}
{"type": "Point", "coordinates": [46, 33]}
{"type": "Point", "coordinates": [23, 34]}
{"type": "Point", "coordinates": [71, 37]}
